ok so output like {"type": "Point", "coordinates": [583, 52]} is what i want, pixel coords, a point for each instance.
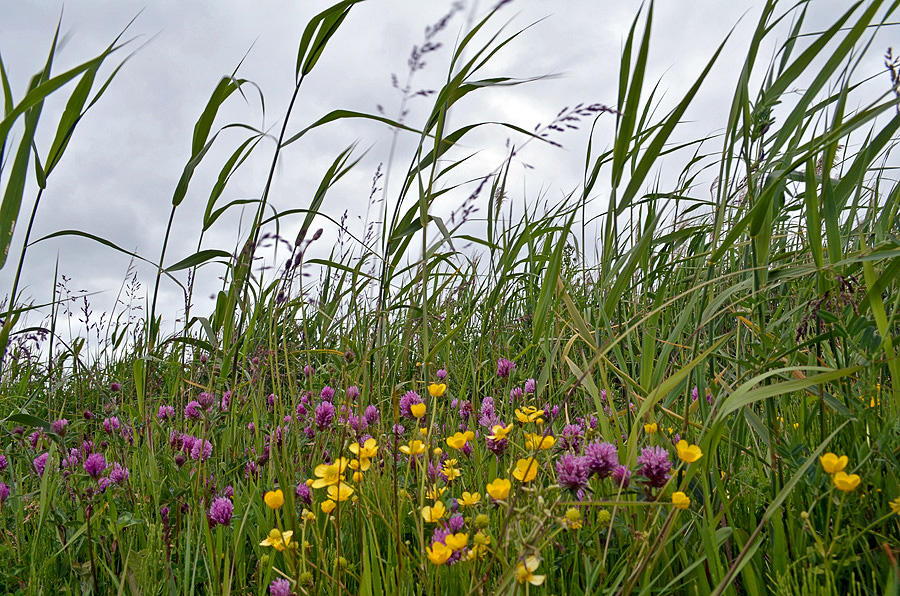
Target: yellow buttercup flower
{"type": "Point", "coordinates": [832, 464]}
{"type": "Point", "coordinates": [499, 488]}
{"type": "Point", "coordinates": [499, 432]}
{"type": "Point", "coordinates": [438, 553]}
{"type": "Point", "coordinates": [457, 541]}
{"type": "Point", "coordinates": [307, 515]}
{"type": "Point", "coordinates": [330, 474]}
{"type": "Point", "coordinates": [846, 482]}
{"type": "Point", "coordinates": [364, 452]}
{"type": "Point", "coordinates": [434, 493]}
{"type": "Point", "coordinates": [468, 499]}
{"type": "Point", "coordinates": [688, 453]}
{"type": "Point", "coordinates": [277, 539]}
{"type": "Point", "coordinates": [526, 469]}
{"type": "Point", "coordinates": [415, 447]}
{"type": "Point", "coordinates": [681, 500]}
{"type": "Point", "coordinates": [339, 492]}
{"type": "Point", "coordinates": [274, 499]}
{"type": "Point", "coordinates": [525, 571]}
{"type": "Point", "coordinates": [328, 506]}
{"type": "Point", "coordinates": [418, 410]}
{"type": "Point", "coordinates": [536, 441]}
{"type": "Point", "coordinates": [433, 513]}
{"type": "Point", "coordinates": [651, 428]}
{"type": "Point", "coordinates": [437, 390]}
{"type": "Point", "coordinates": [895, 505]}
{"type": "Point", "coordinates": [459, 440]}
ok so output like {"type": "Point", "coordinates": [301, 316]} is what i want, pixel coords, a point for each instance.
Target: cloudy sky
{"type": "Point", "coordinates": [118, 175]}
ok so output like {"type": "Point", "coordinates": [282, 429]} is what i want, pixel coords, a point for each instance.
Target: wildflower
{"type": "Point", "coordinates": [468, 499]}
{"type": "Point", "coordinates": [111, 424]}
{"type": "Point", "coordinates": [277, 539]}
{"type": "Point", "coordinates": [3, 462]}
{"type": "Point", "coordinates": [220, 511]}
{"type": "Point", "coordinates": [459, 440]}
{"type": "Point", "coordinates": [59, 426]}
{"type": "Point", "coordinates": [95, 464]}
{"type": "Point", "coordinates": [601, 458]}
{"type": "Point", "coordinates": [367, 451]}
{"type": "Point", "coordinates": [438, 553]}
{"type": "Point", "coordinates": [436, 390]}
{"type": "Point", "coordinates": [274, 499]}
{"type": "Point", "coordinates": [499, 432]}
{"type": "Point", "coordinates": [457, 541]}
{"type": "Point", "coordinates": [201, 450]}
{"type": "Point", "coordinates": [573, 473]}
{"type": "Point", "coordinates": [339, 492]}
{"type": "Point", "coordinates": [434, 493]}
{"type": "Point", "coordinates": [450, 470]}
{"type": "Point", "coordinates": [409, 399]}
{"type": "Point", "coordinates": [417, 410]}
{"type": "Point", "coordinates": [303, 493]}
{"type": "Point", "coordinates": [681, 500]}
{"type": "Point", "coordinates": [324, 414]}
{"type": "Point", "coordinates": [536, 441]}
{"type": "Point", "coordinates": [895, 505]}
{"type": "Point", "coordinates": [832, 464]}
{"type": "Point", "coordinates": [415, 447]}
{"type": "Point", "coordinates": [529, 386]}
{"type": "Point", "coordinates": [328, 506]}
{"type": "Point", "coordinates": [165, 413]}
{"type": "Point", "coordinates": [327, 393]}
{"type": "Point", "coordinates": [655, 465]}
{"type": "Point", "coordinates": [846, 482]}
{"type": "Point", "coordinates": [528, 414]}
{"type": "Point", "coordinates": [119, 473]}
{"type": "Point", "coordinates": [352, 392]}
{"type": "Point", "coordinates": [688, 453]}
{"type": "Point", "coordinates": [526, 469]}
{"type": "Point", "coordinates": [40, 463]}
{"type": "Point", "coordinates": [525, 571]}
{"type": "Point", "coordinates": [4, 492]}
{"type": "Point", "coordinates": [572, 519]}
{"type": "Point", "coordinates": [441, 374]}
{"type": "Point", "coordinates": [505, 367]}
{"type": "Point", "coordinates": [191, 410]}
{"type": "Point", "coordinates": [372, 415]}
{"type": "Point", "coordinates": [307, 515]}
{"type": "Point", "coordinates": [499, 488]}
{"type": "Point", "coordinates": [433, 513]}
{"type": "Point", "coordinates": [280, 587]}
{"type": "Point", "coordinates": [651, 428]}
{"type": "Point", "coordinates": [603, 517]}
{"type": "Point", "coordinates": [330, 474]}
{"type": "Point", "coordinates": [621, 476]}
{"type": "Point", "coordinates": [114, 387]}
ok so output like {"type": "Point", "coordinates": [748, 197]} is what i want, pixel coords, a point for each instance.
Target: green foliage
{"type": "Point", "coordinates": [757, 326]}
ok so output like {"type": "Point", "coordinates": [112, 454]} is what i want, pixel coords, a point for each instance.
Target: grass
{"type": "Point", "coordinates": [755, 325]}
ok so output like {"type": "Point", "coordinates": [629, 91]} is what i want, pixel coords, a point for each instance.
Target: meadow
{"type": "Point", "coordinates": [696, 399]}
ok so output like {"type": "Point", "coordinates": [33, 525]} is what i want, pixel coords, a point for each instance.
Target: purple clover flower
{"type": "Point", "coordinates": [505, 367]}
{"type": "Point", "coordinates": [655, 465]}
{"type": "Point", "coordinates": [621, 476]}
{"type": "Point", "coordinates": [4, 492]}
{"type": "Point", "coordinates": [192, 410]}
{"type": "Point", "coordinates": [529, 386]}
{"type": "Point", "coordinates": [441, 374]}
{"type": "Point", "coordinates": [324, 414]}
{"type": "Point", "coordinates": [59, 426]}
{"type": "Point", "coordinates": [119, 473]}
{"type": "Point", "coordinates": [573, 473]}
{"type": "Point", "coordinates": [327, 393]}
{"type": "Point", "coordinates": [601, 458]}
{"type": "Point", "coordinates": [372, 415]}
{"type": "Point", "coordinates": [165, 413]}
{"type": "Point", "coordinates": [352, 392]}
{"type": "Point", "coordinates": [40, 463]}
{"type": "Point", "coordinates": [220, 511]}
{"type": "Point", "coordinates": [206, 400]}
{"type": "Point", "coordinates": [304, 493]}
{"type": "Point", "coordinates": [95, 464]}
{"type": "Point", "coordinates": [280, 587]}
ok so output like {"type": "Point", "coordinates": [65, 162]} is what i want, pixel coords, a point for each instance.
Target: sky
{"type": "Point", "coordinates": [118, 175]}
